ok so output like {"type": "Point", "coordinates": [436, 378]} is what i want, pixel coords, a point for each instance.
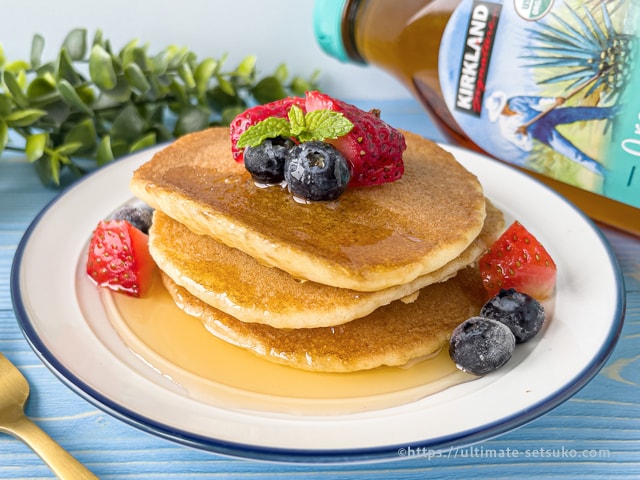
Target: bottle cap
{"type": "Point", "coordinates": [327, 26]}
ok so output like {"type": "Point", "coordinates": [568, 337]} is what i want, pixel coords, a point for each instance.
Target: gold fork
{"type": "Point", "coordinates": [14, 391]}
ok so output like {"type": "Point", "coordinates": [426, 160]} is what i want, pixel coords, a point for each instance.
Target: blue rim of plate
{"type": "Point", "coordinates": [311, 456]}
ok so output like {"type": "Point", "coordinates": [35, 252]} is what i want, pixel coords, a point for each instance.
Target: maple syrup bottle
{"type": "Point", "coordinates": [549, 86]}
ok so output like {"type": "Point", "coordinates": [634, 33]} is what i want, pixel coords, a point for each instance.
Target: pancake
{"type": "Point", "coordinates": [393, 335]}
{"type": "Point", "coordinates": [231, 281]}
{"type": "Point", "coordinates": [370, 239]}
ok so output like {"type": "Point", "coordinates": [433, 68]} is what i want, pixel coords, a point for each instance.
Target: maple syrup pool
{"type": "Point", "coordinates": [178, 351]}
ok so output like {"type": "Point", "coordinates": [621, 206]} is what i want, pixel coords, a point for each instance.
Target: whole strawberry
{"type": "Point", "coordinates": [518, 260]}
{"type": "Point", "coordinates": [373, 148]}
{"type": "Point", "coordinates": [254, 115]}
{"type": "Point", "coordinates": [119, 258]}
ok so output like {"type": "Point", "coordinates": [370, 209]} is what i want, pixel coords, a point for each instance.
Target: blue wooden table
{"type": "Point", "coordinates": [595, 434]}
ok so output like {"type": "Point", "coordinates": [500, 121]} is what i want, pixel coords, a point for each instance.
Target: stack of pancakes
{"type": "Point", "coordinates": [379, 277]}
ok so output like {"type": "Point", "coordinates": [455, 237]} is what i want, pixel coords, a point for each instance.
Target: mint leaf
{"type": "Point", "coordinates": [323, 124]}
{"type": "Point", "coordinates": [271, 127]}
{"type": "Point", "coordinates": [297, 120]}
{"type": "Point", "coordinates": [316, 125]}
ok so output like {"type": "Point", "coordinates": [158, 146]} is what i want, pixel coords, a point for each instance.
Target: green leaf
{"type": "Point", "coordinates": [203, 73]}
{"type": "Point", "coordinates": [48, 68]}
{"type": "Point", "coordinates": [41, 91]}
{"type": "Point", "coordinates": [120, 94]}
{"type": "Point", "coordinates": [268, 89]}
{"type": "Point", "coordinates": [83, 133]}
{"type": "Point", "coordinates": [323, 124]}
{"type": "Point", "coordinates": [153, 114]}
{"type": "Point", "coordinates": [126, 54]}
{"type": "Point", "coordinates": [185, 73]}
{"type": "Point", "coordinates": [246, 68]}
{"type": "Point", "coordinates": [281, 73]}
{"type": "Point", "coordinates": [87, 94]}
{"type": "Point", "coordinates": [179, 92]}
{"type": "Point", "coordinates": [220, 100]}
{"type": "Point", "coordinates": [145, 142]}
{"type": "Point", "coordinates": [160, 63]}
{"type": "Point", "coordinates": [24, 118]}
{"type": "Point", "coordinates": [37, 47]}
{"type": "Point", "coordinates": [21, 78]}
{"type": "Point", "coordinates": [104, 154]}
{"type": "Point", "coordinates": [3, 59]}
{"type": "Point", "coordinates": [76, 43]}
{"type": "Point", "coordinates": [4, 135]}
{"type": "Point", "coordinates": [101, 68]}
{"type": "Point", "coordinates": [71, 97]}
{"type": "Point", "coordinates": [119, 148]}
{"type": "Point", "coordinates": [17, 67]}
{"type": "Point", "coordinates": [128, 125]}
{"type": "Point", "coordinates": [14, 89]}
{"type": "Point", "coordinates": [65, 70]}
{"type": "Point", "coordinates": [157, 90]}
{"type": "Point", "coordinates": [177, 56]}
{"type": "Point", "coordinates": [226, 86]}
{"type": "Point", "coordinates": [136, 78]}
{"type": "Point", "coordinates": [221, 62]}
{"type": "Point", "coordinates": [34, 147]}
{"type": "Point", "coordinates": [67, 149]}
{"type": "Point", "coordinates": [6, 105]}
{"type": "Point", "coordinates": [48, 168]}
{"type": "Point", "coordinates": [229, 113]}
{"type": "Point", "coordinates": [297, 120]}
{"type": "Point", "coordinates": [192, 118]}
{"type": "Point", "coordinates": [135, 54]}
{"type": "Point", "coordinates": [57, 113]}
{"type": "Point", "coordinates": [163, 134]}
{"type": "Point", "coordinates": [315, 125]}
{"type": "Point", "coordinates": [271, 127]}
{"type": "Point", "coordinates": [98, 38]}
{"type": "Point", "coordinates": [299, 85]}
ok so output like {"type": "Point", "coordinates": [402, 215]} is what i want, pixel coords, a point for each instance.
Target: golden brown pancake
{"type": "Point", "coordinates": [370, 239]}
{"type": "Point", "coordinates": [231, 281]}
{"type": "Point", "coordinates": [393, 335]}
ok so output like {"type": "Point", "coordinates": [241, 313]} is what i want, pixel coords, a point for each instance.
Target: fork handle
{"type": "Point", "coordinates": [61, 462]}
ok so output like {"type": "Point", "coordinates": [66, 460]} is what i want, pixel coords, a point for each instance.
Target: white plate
{"type": "Point", "coordinates": [570, 351]}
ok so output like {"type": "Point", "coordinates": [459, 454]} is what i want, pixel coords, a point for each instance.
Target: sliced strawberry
{"type": "Point", "coordinates": [518, 260]}
{"type": "Point", "coordinates": [373, 148]}
{"type": "Point", "coordinates": [278, 108]}
{"type": "Point", "coordinates": [119, 258]}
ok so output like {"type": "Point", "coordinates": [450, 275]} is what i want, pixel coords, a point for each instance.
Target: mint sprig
{"type": "Point", "coordinates": [305, 127]}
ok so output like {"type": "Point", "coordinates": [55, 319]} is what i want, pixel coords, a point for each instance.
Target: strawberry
{"type": "Point", "coordinates": [119, 258]}
{"type": "Point", "coordinates": [518, 260]}
{"type": "Point", "coordinates": [373, 148]}
{"type": "Point", "coordinates": [278, 108]}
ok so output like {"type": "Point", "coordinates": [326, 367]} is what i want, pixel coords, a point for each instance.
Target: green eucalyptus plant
{"type": "Point", "coordinates": [91, 104]}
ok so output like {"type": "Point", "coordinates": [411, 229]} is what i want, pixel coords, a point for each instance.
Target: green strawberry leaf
{"type": "Point", "coordinates": [271, 127]}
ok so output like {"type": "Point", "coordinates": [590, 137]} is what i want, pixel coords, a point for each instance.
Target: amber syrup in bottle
{"type": "Point", "coordinates": [544, 85]}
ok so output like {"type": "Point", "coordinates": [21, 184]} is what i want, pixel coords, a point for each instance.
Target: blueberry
{"type": "Point", "coordinates": [523, 314]}
{"type": "Point", "coordinates": [265, 162]}
{"type": "Point", "coordinates": [316, 171]}
{"type": "Point", "coordinates": [139, 217]}
{"type": "Point", "coordinates": [480, 345]}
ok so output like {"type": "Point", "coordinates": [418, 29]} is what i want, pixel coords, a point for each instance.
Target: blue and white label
{"type": "Point", "coordinates": [548, 85]}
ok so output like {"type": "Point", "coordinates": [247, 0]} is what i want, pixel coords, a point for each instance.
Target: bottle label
{"type": "Point", "coordinates": [550, 85]}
